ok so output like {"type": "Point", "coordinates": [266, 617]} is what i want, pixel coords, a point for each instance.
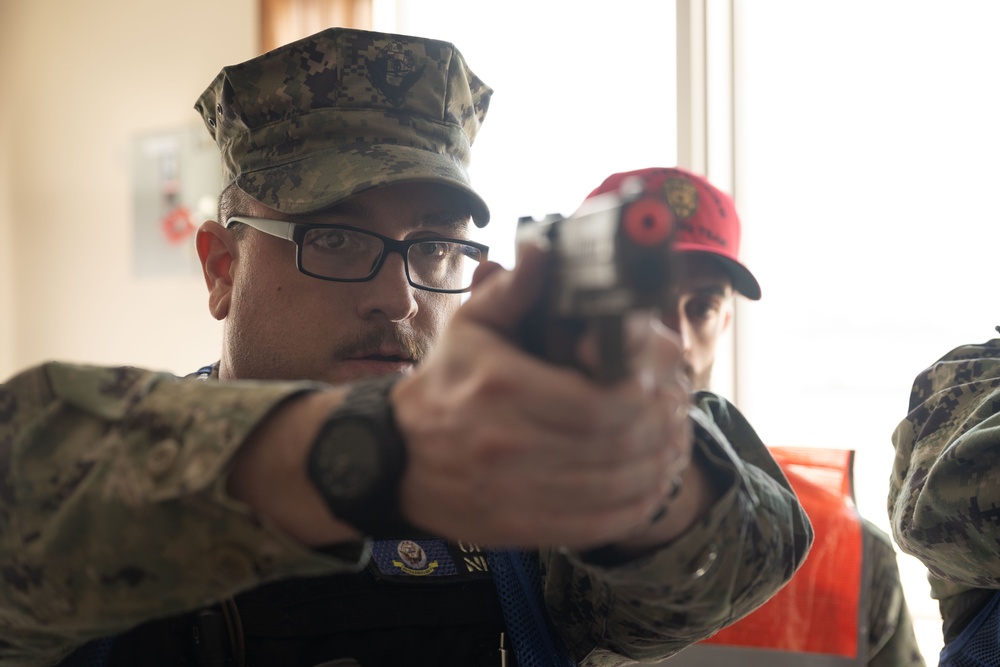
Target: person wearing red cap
{"type": "Point", "coordinates": [706, 242]}
{"type": "Point", "coordinates": [709, 272]}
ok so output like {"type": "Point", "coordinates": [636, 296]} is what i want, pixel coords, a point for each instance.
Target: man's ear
{"type": "Point", "coordinates": [217, 251]}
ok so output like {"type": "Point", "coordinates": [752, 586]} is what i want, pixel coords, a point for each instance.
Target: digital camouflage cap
{"type": "Point", "coordinates": [342, 111]}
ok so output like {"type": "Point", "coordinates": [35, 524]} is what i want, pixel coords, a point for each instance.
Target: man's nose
{"type": "Point", "coordinates": [389, 293]}
{"type": "Point", "coordinates": [674, 320]}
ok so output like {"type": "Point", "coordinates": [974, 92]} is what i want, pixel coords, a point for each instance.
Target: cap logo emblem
{"type": "Point", "coordinates": [394, 71]}
{"type": "Point", "coordinates": [681, 196]}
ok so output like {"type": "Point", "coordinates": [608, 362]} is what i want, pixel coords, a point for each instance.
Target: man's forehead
{"type": "Point", "coordinates": [410, 204]}
{"type": "Point", "coordinates": [700, 272]}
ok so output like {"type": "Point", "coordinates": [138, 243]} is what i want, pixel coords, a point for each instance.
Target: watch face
{"type": "Point", "coordinates": [347, 463]}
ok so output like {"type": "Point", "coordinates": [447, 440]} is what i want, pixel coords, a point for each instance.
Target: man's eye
{"type": "Point", "coordinates": [431, 249]}
{"type": "Point", "coordinates": [700, 309]}
{"type": "Point", "coordinates": [329, 240]}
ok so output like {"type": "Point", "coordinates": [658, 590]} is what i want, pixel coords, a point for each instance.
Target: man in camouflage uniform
{"type": "Point", "coordinates": [944, 494]}
{"type": "Point", "coordinates": [231, 522]}
{"type": "Point", "coordinates": [709, 273]}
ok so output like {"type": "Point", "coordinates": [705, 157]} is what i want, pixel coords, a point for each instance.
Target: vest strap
{"type": "Point", "coordinates": [979, 644]}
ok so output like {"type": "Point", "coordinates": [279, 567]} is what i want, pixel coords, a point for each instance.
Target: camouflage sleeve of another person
{"type": "Point", "coordinates": [944, 493]}
{"type": "Point", "coordinates": [113, 507]}
{"type": "Point", "coordinates": [892, 641]}
{"type": "Point", "coordinates": [729, 563]}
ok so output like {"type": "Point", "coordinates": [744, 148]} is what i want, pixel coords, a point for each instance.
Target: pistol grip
{"type": "Point", "coordinates": [612, 362]}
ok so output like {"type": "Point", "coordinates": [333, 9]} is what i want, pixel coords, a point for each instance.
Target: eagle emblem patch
{"type": "Point", "coordinates": [681, 196]}
{"type": "Point", "coordinates": [394, 71]}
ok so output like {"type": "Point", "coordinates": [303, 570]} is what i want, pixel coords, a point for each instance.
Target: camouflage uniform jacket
{"type": "Point", "coordinates": [113, 511]}
{"type": "Point", "coordinates": [944, 493]}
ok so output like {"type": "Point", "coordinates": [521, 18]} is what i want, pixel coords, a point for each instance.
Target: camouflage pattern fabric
{"type": "Point", "coordinates": [944, 493]}
{"type": "Point", "coordinates": [113, 505]}
{"type": "Point", "coordinates": [892, 641]}
{"type": "Point", "coordinates": [728, 564]}
{"type": "Point", "coordinates": [342, 111]}
{"type": "Point", "coordinates": [114, 512]}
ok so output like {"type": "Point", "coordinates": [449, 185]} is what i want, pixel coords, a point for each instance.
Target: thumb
{"type": "Point", "coordinates": [502, 298]}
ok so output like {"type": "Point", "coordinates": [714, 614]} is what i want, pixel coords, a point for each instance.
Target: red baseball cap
{"type": "Point", "coordinates": [706, 217]}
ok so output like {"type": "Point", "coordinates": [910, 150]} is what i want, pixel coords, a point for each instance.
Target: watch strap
{"type": "Point", "coordinates": [369, 502]}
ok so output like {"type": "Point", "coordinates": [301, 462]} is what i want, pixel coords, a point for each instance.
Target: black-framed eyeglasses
{"type": "Point", "coordinates": [350, 255]}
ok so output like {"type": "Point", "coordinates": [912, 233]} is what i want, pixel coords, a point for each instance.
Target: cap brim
{"type": "Point", "coordinates": [743, 281]}
{"type": "Point", "coordinates": [325, 178]}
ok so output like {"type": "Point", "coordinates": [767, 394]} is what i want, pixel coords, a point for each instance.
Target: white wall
{"type": "Point", "coordinates": [81, 81]}
{"type": "Point", "coordinates": [8, 18]}
{"type": "Point", "coordinates": [9, 13]}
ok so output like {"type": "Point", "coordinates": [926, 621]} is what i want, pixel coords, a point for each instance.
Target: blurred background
{"type": "Point", "coordinates": [859, 138]}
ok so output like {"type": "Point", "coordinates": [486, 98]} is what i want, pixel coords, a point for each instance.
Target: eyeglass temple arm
{"type": "Point", "coordinates": [280, 228]}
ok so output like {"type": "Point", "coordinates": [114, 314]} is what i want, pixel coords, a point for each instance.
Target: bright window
{"type": "Point", "coordinates": [863, 144]}
{"type": "Point", "coordinates": [579, 94]}
{"type": "Point", "coordinates": [867, 166]}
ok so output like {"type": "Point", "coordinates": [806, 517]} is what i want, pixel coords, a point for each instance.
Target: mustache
{"type": "Point", "coordinates": [369, 341]}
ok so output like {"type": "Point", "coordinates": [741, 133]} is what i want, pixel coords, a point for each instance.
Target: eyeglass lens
{"type": "Point", "coordinates": [352, 255]}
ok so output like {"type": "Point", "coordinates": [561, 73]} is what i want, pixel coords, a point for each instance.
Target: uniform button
{"type": "Point", "coordinates": [161, 458]}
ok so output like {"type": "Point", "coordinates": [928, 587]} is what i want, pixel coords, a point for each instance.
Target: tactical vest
{"type": "Point", "coordinates": [820, 618]}
{"type": "Point", "coordinates": [417, 602]}
{"type": "Point", "coordinates": [978, 645]}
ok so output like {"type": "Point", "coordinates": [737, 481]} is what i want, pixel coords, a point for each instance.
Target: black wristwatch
{"type": "Point", "coordinates": [358, 459]}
